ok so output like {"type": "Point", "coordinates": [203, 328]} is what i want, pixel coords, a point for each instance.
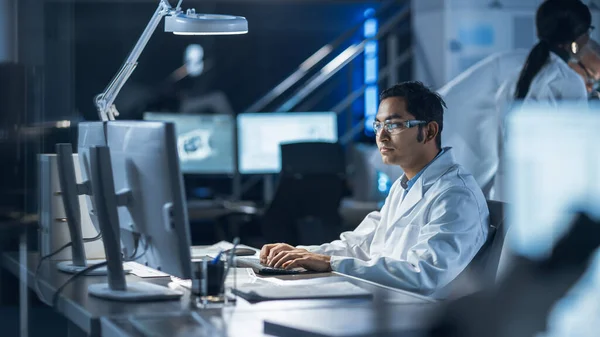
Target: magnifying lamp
{"type": "Point", "coordinates": [177, 22]}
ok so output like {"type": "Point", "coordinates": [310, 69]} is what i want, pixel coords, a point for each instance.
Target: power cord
{"type": "Point", "coordinates": [72, 278]}
{"type": "Point", "coordinates": [93, 267]}
{"type": "Point", "coordinates": [45, 257]}
{"type": "Point", "coordinates": [135, 258]}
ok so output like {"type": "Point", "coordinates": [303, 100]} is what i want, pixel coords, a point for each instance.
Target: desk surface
{"type": "Point", "coordinates": [245, 319]}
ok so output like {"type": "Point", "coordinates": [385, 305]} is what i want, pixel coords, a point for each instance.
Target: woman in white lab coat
{"type": "Point", "coordinates": [563, 28]}
{"type": "Point", "coordinates": [470, 122]}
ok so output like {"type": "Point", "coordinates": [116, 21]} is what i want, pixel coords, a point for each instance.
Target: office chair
{"type": "Point", "coordinates": [482, 270]}
{"type": "Point", "coordinates": [304, 208]}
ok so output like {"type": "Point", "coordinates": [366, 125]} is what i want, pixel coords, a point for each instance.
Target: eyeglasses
{"type": "Point", "coordinates": [395, 128]}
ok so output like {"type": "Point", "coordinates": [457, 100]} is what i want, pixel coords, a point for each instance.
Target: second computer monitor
{"type": "Point", "coordinates": [147, 175]}
{"type": "Point", "coordinates": [260, 135]}
{"type": "Point", "coordinates": [205, 143]}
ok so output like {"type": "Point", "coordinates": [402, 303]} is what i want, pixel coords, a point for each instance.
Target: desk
{"type": "Point", "coordinates": [92, 316]}
{"type": "Point", "coordinates": [357, 320]}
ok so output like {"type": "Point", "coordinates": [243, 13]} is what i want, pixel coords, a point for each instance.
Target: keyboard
{"type": "Point", "coordinates": [255, 264]}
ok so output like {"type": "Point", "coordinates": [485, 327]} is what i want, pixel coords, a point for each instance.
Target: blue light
{"type": "Point", "coordinates": [370, 28]}
{"type": "Point", "coordinates": [371, 48]}
{"type": "Point", "coordinates": [371, 100]}
{"type": "Point", "coordinates": [370, 107]}
{"type": "Point", "coordinates": [371, 70]}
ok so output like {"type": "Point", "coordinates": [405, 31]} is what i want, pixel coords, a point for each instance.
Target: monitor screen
{"type": "Point", "coordinates": [260, 134]}
{"type": "Point", "coordinates": [553, 170]}
{"type": "Point", "coordinates": [204, 142]}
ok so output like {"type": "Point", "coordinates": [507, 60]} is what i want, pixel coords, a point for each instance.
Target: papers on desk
{"type": "Point", "coordinates": [143, 271]}
{"type": "Point", "coordinates": [241, 275]}
{"type": "Point", "coordinates": [199, 252]}
{"type": "Point", "coordinates": [259, 293]}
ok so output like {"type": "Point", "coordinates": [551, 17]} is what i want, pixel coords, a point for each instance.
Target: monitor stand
{"type": "Point", "coordinates": [69, 267]}
{"type": "Point", "coordinates": [134, 291]}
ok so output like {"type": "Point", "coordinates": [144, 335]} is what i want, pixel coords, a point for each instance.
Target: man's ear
{"type": "Point", "coordinates": [431, 131]}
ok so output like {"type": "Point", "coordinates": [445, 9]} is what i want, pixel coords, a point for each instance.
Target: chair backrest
{"type": "Point", "coordinates": [494, 244]}
{"type": "Point", "coordinates": [312, 158]}
{"type": "Point", "coordinates": [308, 194]}
{"type": "Point", "coordinates": [481, 271]}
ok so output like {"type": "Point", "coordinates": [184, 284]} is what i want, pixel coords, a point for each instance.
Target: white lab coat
{"type": "Point", "coordinates": [555, 82]}
{"type": "Point", "coordinates": [419, 242]}
{"type": "Point", "coordinates": [471, 121]}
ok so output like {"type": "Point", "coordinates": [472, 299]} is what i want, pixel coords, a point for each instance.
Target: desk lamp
{"type": "Point", "coordinates": [177, 22]}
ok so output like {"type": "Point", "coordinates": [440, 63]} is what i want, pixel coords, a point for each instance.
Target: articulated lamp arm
{"type": "Point", "coordinates": [104, 101]}
{"type": "Point", "coordinates": [188, 23]}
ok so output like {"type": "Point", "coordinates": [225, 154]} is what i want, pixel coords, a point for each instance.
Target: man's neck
{"type": "Point", "coordinates": [419, 163]}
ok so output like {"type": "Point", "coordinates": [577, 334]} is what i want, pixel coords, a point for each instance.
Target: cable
{"type": "Point", "coordinates": [72, 278]}
{"type": "Point", "coordinates": [135, 258]}
{"type": "Point", "coordinates": [95, 238]}
{"type": "Point", "coordinates": [39, 265]}
{"type": "Point", "coordinates": [37, 271]}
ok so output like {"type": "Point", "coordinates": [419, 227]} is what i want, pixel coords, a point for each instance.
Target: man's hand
{"type": "Point", "coordinates": [281, 255]}
{"type": "Point", "coordinates": [269, 251]}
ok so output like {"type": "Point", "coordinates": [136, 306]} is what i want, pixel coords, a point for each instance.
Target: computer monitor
{"type": "Point", "coordinates": [553, 170]}
{"type": "Point", "coordinates": [70, 190]}
{"type": "Point", "coordinates": [260, 136]}
{"type": "Point", "coordinates": [139, 172]}
{"type": "Point", "coordinates": [94, 134]}
{"type": "Point", "coordinates": [205, 143]}
{"type": "Point", "coordinates": [89, 134]}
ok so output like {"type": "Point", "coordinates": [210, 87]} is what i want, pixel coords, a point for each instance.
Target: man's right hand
{"type": "Point", "coordinates": [268, 251]}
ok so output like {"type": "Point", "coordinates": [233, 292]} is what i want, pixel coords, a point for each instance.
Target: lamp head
{"type": "Point", "coordinates": [190, 23]}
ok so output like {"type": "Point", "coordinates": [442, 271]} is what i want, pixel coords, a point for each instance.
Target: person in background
{"type": "Point", "coordinates": [434, 220]}
{"type": "Point", "coordinates": [563, 29]}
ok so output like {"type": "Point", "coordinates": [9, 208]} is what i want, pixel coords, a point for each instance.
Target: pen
{"type": "Point", "coordinates": [217, 258]}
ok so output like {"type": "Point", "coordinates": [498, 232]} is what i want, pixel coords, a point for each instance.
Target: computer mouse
{"type": "Point", "coordinates": [242, 251]}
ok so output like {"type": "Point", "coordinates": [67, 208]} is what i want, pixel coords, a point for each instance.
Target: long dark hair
{"type": "Point", "coordinates": [558, 22]}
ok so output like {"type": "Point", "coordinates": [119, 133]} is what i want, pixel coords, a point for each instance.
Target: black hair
{"type": "Point", "coordinates": [558, 22]}
{"type": "Point", "coordinates": [421, 102]}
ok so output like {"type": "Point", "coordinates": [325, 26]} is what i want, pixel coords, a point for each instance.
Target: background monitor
{"type": "Point", "coordinates": [260, 136]}
{"type": "Point", "coordinates": [205, 143]}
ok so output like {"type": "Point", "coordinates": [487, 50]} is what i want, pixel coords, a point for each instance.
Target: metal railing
{"type": "Point", "coordinates": [344, 58]}
{"type": "Point", "coordinates": [311, 63]}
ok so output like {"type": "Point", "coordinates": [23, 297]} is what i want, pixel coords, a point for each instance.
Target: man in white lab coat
{"type": "Point", "coordinates": [434, 220]}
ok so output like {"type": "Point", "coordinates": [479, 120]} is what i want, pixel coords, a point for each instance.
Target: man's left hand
{"type": "Point", "coordinates": [301, 258]}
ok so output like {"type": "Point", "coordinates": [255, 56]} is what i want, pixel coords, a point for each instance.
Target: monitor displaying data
{"type": "Point", "coordinates": [205, 143]}
{"type": "Point", "coordinates": [260, 134]}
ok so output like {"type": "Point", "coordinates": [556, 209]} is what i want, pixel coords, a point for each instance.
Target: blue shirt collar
{"type": "Point", "coordinates": [408, 183]}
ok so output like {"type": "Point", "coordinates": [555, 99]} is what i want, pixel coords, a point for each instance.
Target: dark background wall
{"type": "Point", "coordinates": [87, 42]}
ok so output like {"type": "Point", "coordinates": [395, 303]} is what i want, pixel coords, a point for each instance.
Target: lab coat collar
{"type": "Point", "coordinates": [432, 173]}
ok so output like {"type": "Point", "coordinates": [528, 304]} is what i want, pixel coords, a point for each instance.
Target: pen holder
{"type": "Point", "coordinates": [208, 278]}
